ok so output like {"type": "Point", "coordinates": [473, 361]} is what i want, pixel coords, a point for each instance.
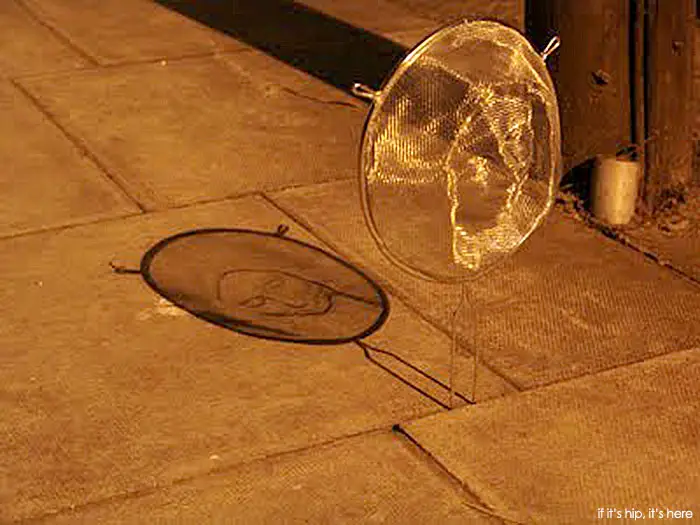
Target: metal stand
{"type": "Point", "coordinates": [453, 349]}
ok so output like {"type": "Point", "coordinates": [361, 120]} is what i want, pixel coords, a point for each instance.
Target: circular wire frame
{"type": "Point", "coordinates": [439, 126]}
{"type": "Point", "coordinates": [265, 285]}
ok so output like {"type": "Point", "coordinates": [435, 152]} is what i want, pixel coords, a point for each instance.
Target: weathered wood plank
{"type": "Point", "coordinates": [668, 99]}
{"type": "Point", "coordinates": [590, 70]}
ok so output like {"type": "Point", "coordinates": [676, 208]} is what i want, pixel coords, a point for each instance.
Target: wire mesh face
{"type": "Point", "coordinates": [461, 152]}
{"type": "Point", "coordinates": [265, 285]}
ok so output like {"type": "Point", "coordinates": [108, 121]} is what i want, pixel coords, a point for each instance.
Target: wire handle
{"type": "Point", "coordinates": [364, 92]}
{"type": "Point", "coordinates": [119, 269]}
{"type": "Point", "coordinates": [550, 48]}
{"type": "Point", "coordinates": [627, 148]}
{"type": "Point", "coordinates": [281, 231]}
{"type": "Point", "coordinates": [466, 301]}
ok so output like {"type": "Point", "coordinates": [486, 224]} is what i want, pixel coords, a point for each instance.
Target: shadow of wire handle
{"type": "Point", "coordinates": [364, 92]}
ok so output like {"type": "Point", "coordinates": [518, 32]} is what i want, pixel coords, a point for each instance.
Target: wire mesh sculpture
{"type": "Point", "coordinates": [460, 163]}
{"type": "Point", "coordinates": [460, 157]}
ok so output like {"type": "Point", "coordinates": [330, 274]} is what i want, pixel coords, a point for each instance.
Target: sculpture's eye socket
{"type": "Point", "coordinates": [254, 302]}
{"type": "Point", "coordinates": [274, 283]}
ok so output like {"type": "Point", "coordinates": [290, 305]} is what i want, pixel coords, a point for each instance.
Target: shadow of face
{"type": "Point", "coordinates": [273, 293]}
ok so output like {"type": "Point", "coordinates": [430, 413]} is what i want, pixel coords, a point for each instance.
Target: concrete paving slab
{"type": "Point", "coordinates": [27, 46]}
{"type": "Point", "coordinates": [328, 48]}
{"type": "Point", "coordinates": [552, 312]}
{"type": "Point", "coordinates": [447, 11]}
{"type": "Point", "coordinates": [105, 390]}
{"type": "Point", "coordinates": [199, 130]}
{"type": "Point", "coordinates": [379, 16]}
{"type": "Point", "coordinates": [46, 181]}
{"type": "Point", "coordinates": [338, 42]}
{"type": "Point", "coordinates": [680, 250]}
{"type": "Point", "coordinates": [409, 38]}
{"type": "Point", "coordinates": [128, 30]}
{"type": "Point", "coordinates": [582, 451]}
{"type": "Point", "coordinates": [674, 236]}
{"type": "Point", "coordinates": [375, 478]}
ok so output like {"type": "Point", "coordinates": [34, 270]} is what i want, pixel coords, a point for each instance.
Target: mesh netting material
{"type": "Point", "coordinates": [461, 152]}
{"type": "Point", "coordinates": [265, 285]}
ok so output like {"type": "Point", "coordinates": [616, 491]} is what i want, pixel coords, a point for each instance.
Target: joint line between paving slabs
{"type": "Point", "coordinates": [138, 214]}
{"type": "Point", "coordinates": [224, 469]}
{"type": "Point", "coordinates": [387, 286]}
{"type": "Point", "coordinates": [58, 34]}
{"type": "Point", "coordinates": [620, 237]}
{"type": "Point", "coordinates": [637, 362]}
{"type": "Point", "coordinates": [210, 201]}
{"type": "Point", "coordinates": [481, 506]}
{"type": "Point", "coordinates": [648, 254]}
{"type": "Point", "coordinates": [135, 214]}
{"type": "Point", "coordinates": [169, 59]}
{"type": "Point", "coordinates": [82, 148]}
{"type": "Point", "coordinates": [70, 225]}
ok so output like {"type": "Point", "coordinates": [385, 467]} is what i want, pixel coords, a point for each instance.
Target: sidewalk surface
{"type": "Point", "coordinates": [125, 122]}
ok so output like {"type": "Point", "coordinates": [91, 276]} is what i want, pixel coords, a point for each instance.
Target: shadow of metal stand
{"type": "Point", "coordinates": [267, 285]}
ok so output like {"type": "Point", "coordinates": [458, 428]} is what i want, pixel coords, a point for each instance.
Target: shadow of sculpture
{"type": "Point", "coordinates": [329, 49]}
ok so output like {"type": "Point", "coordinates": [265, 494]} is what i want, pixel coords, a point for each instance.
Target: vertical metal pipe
{"type": "Point", "coordinates": [637, 72]}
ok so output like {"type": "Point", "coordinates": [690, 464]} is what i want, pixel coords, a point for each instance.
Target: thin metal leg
{"type": "Point", "coordinates": [476, 359]}
{"type": "Point", "coordinates": [453, 349]}
{"type": "Point", "coordinates": [473, 327]}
